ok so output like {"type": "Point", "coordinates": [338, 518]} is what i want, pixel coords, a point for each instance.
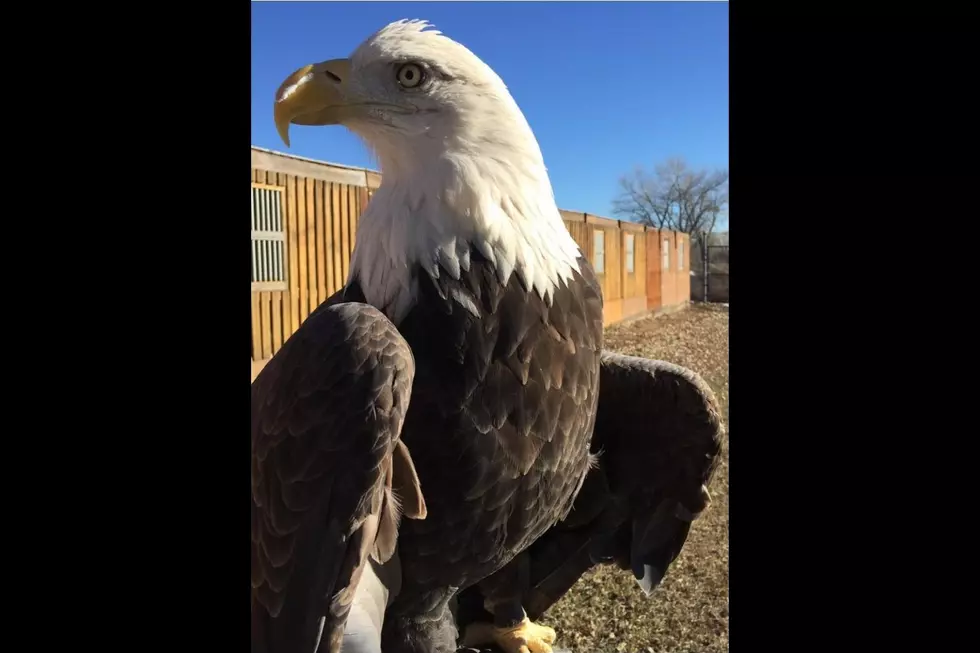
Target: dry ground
{"type": "Point", "coordinates": [688, 613]}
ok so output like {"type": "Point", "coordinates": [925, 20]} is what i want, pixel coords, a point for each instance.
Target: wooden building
{"type": "Point", "coordinates": [304, 222]}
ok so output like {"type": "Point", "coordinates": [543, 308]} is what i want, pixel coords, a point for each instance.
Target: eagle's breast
{"type": "Point", "coordinates": [501, 414]}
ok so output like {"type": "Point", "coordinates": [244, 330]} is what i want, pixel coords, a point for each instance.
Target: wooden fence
{"type": "Point", "coordinates": [304, 221]}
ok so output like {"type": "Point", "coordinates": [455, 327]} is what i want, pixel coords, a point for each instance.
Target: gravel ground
{"type": "Point", "coordinates": [688, 613]}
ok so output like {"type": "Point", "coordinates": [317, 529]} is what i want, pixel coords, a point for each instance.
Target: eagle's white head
{"type": "Point", "coordinates": [460, 165]}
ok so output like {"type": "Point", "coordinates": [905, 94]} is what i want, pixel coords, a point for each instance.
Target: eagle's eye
{"type": "Point", "coordinates": [410, 75]}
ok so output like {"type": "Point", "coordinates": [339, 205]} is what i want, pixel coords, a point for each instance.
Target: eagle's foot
{"type": "Point", "coordinates": [526, 637]}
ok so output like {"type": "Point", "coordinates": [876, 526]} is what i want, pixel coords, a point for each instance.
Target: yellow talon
{"type": "Point", "coordinates": [526, 637]}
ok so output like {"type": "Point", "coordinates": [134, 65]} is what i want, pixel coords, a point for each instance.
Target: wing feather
{"type": "Point", "coordinates": [327, 413]}
{"type": "Point", "coordinates": [657, 425]}
{"type": "Point", "coordinates": [663, 421]}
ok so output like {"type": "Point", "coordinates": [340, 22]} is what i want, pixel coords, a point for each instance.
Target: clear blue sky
{"type": "Point", "coordinates": [604, 85]}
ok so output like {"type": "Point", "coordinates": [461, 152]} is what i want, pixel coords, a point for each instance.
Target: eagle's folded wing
{"type": "Point", "coordinates": [327, 412]}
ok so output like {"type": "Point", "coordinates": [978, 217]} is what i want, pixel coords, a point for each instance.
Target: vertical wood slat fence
{"type": "Point", "coordinates": [304, 222]}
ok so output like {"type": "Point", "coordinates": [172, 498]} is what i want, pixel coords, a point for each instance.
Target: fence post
{"type": "Point", "coordinates": [704, 264]}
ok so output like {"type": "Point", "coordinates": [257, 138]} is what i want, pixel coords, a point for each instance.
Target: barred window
{"type": "Point", "coordinates": [268, 238]}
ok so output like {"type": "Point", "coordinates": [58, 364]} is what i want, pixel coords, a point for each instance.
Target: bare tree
{"type": "Point", "coordinates": [674, 197]}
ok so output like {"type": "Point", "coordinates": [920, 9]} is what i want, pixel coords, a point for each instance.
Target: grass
{"type": "Point", "coordinates": [688, 613]}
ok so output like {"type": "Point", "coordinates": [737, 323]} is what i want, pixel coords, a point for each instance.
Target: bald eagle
{"type": "Point", "coordinates": [658, 438]}
{"type": "Point", "coordinates": [452, 381]}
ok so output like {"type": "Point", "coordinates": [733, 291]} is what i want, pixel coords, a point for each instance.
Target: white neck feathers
{"type": "Point", "coordinates": [432, 217]}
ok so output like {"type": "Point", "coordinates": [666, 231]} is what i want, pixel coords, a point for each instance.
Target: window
{"type": "Point", "coordinates": [268, 238]}
{"type": "Point", "coordinates": [666, 254]}
{"type": "Point", "coordinates": [629, 254]}
{"type": "Point", "coordinates": [680, 253]}
{"type": "Point", "coordinates": [599, 251]}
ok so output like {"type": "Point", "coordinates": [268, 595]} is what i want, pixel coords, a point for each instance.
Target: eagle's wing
{"type": "Point", "coordinates": [657, 426]}
{"type": "Point", "coordinates": [327, 413]}
{"type": "Point", "coordinates": [660, 422]}
{"type": "Point", "coordinates": [663, 431]}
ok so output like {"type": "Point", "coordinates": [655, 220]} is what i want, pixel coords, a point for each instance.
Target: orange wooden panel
{"type": "Point", "coordinates": [654, 287]}
{"type": "Point", "coordinates": [292, 243]}
{"type": "Point", "coordinates": [354, 216]}
{"type": "Point", "coordinates": [344, 232]}
{"type": "Point", "coordinates": [277, 339]}
{"type": "Point", "coordinates": [266, 321]}
{"type": "Point", "coordinates": [633, 306]}
{"type": "Point", "coordinates": [302, 249]}
{"type": "Point", "coordinates": [669, 280]}
{"type": "Point", "coordinates": [612, 311]}
{"type": "Point", "coordinates": [335, 212]}
{"type": "Point", "coordinates": [601, 276]}
{"type": "Point", "coordinates": [287, 319]}
{"type": "Point", "coordinates": [320, 193]}
{"type": "Point", "coordinates": [580, 234]}
{"type": "Point", "coordinates": [312, 297]}
{"type": "Point", "coordinates": [328, 241]}
{"type": "Point", "coordinates": [614, 263]}
{"type": "Point", "coordinates": [629, 278]}
{"type": "Point", "coordinates": [256, 328]}
{"type": "Point", "coordinates": [641, 265]}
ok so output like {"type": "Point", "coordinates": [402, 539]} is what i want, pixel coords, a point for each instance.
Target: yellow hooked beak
{"type": "Point", "coordinates": [313, 95]}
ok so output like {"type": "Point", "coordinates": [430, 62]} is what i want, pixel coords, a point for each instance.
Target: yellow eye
{"type": "Point", "coordinates": [410, 75]}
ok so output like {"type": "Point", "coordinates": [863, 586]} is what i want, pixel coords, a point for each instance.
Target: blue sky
{"type": "Point", "coordinates": [605, 85]}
